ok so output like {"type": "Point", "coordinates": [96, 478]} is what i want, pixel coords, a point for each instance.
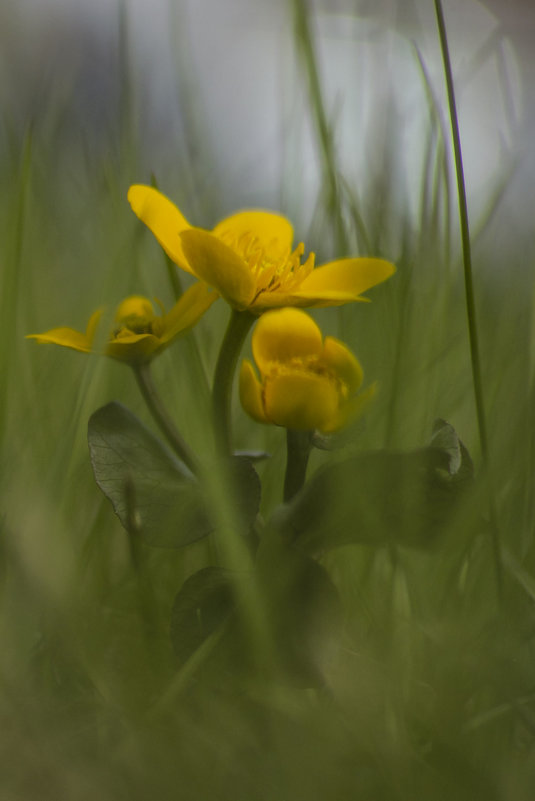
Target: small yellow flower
{"type": "Point", "coordinates": [306, 383]}
{"type": "Point", "coordinates": [138, 334]}
{"type": "Point", "coordinates": [248, 258]}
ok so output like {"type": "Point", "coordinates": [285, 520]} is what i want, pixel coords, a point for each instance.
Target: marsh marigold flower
{"type": "Point", "coordinates": [138, 333]}
{"type": "Point", "coordinates": [248, 258]}
{"type": "Point", "coordinates": [306, 382]}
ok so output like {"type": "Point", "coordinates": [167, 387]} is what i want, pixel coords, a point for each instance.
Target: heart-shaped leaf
{"type": "Point", "coordinates": [151, 491]}
{"type": "Point", "coordinates": [303, 611]}
{"type": "Point", "coordinates": [154, 493]}
{"type": "Point", "coordinates": [382, 496]}
{"type": "Point", "coordinates": [203, 602]}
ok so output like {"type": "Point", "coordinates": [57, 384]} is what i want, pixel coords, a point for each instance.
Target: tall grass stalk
{"type": "Point", "coordinates": [469, 295]}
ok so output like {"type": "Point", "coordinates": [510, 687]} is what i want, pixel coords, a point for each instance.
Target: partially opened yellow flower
{"type": "Point", "coordinates": [306, 383]}
{"type": "Point", "coordinates": [138, 334]}
{"type": "Point", "coordinates": [248, 258]}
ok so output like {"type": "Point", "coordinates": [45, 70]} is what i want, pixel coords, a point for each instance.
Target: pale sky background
{"type": "Point", "coordinates": [241, 62]}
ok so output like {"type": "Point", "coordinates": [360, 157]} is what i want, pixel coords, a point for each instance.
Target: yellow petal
{"type": "Point", "coordinates": [69, 338]}
{"type": "Point", "coordinates": [163, 218]}
{"type": "Point", "coordinates": [218, 265]}
{"type": "Point", "coordinates": [302, 401]}
{"type": "Point", "coordinates": [133, 348]}
{"type": "Point", "coordinates": [341, 281]}
{"type": "Point", "coordinates": [274, 232]}
{"type": "Point", "coordinates": [187, 310]}
{"type": "Point", "coordinates": [92, 325]}
{"type": "Point", "coordinates": [282, 335]}
{"type": "Point", "coordinates": [350, 410]}
{"type": "Point", "coordinates": [302, 300]}
{"type": "Point", "coordinates": [251, 392]}
{"type": "Point", "coordinates": [340, 361]}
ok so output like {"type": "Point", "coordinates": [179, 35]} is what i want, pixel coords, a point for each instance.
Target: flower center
{"type": "Point", "coordinates": [307, 365]}
{"type": "Point", "coordinates": [272, 269]}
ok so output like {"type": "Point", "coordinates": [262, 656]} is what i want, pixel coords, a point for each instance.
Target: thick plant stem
{"type": "Point", "coordinates": [298, 447]}
{"type": "Point", "coordinates": [238, 327]}
{"type": "Point", "coordinates": [469, 291]}
{"type": "Point", "coordinates": [161, 416]}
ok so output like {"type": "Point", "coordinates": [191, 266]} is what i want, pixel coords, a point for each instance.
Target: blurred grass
{"type": "Point", "coordinates": [432, 695]}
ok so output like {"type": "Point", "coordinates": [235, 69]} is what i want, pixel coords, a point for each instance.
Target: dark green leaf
{"type": "Point", "coordinates": [382, 497]}
{"type": "Point", "coordinates": [303, 610]}
{"type": "Point", "coordinates": [204, 601]}
{"type": "Point", "coordinates": [151, 491]}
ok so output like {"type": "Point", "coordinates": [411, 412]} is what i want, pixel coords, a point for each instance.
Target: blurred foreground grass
{"type": "Point", "coordinates": [432, 692]}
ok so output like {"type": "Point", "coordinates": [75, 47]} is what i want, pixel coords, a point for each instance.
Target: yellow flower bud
{"type": "Point", "coordinates": [138, 334]}
{"type": "Point", "coordinates": [306, 383]}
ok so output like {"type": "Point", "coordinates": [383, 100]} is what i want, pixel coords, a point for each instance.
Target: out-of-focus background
{"type": "Point", "coordinates": [236, 64]}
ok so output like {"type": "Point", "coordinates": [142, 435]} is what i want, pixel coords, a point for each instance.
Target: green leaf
{"type": "Point", "coordinates": [202, 604]}
{"type": "Point", "coordinates": [152, 492]}
{"type": "Point", "coordinates": [382, 497]}
{"type": "Point", "coordinates": [303, 610]}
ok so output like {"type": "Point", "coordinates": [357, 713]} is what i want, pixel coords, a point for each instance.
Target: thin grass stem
{"type": "Point", "coordinates": [469, 290]}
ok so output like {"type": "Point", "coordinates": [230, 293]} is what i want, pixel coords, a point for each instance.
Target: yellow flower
{"type": "Point", "coordinates": [306, 383]}
{"type": "Point", "coordinates": [138, 333]}
{"type": "Point", "coordinates": [248, 258]}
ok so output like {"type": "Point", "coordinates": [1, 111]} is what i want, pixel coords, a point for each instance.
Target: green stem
{"type": "Point", "coordinates": [238, 327]}
{"type": "Point", "coordinates": [162, 417]}
{"type": "Point", "coordinates": [469, 289]}
{"type": "Point", "coordinates": [298, 447]}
